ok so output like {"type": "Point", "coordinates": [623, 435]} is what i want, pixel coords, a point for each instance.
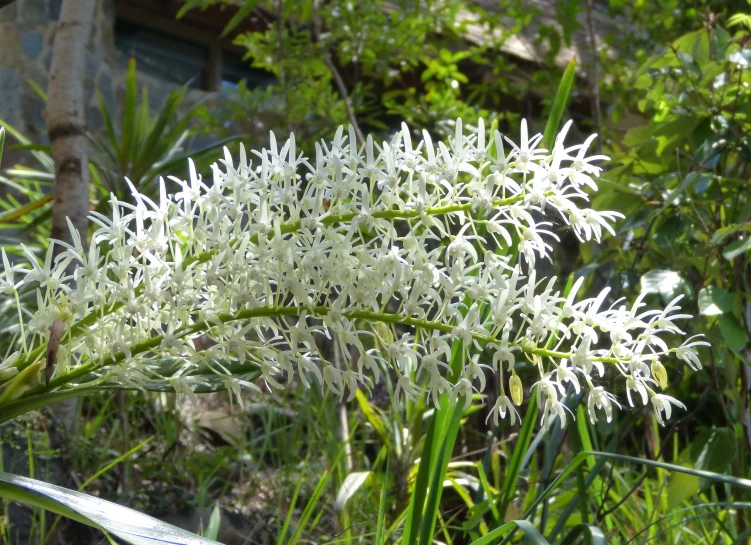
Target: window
{"type": "Point", "coordinates": [205, 63]}
{"type": "Point", "coordinates": [235, 69]}
{"type": "Point", "coordinates": [164, 56]}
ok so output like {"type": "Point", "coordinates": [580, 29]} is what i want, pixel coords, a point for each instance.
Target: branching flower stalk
{"type": "Point", "coordinates": [400, 250]}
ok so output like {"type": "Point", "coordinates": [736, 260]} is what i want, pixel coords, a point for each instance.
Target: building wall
{"type": "Point", "coordinates": [27, 31]}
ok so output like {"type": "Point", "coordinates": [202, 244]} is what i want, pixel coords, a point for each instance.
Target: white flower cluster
{"type": "Point", "coordinates": [395, 251]}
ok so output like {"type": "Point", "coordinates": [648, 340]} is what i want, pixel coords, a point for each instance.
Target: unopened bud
{"type": "Point", "coordinates": [517, 390]}
{"type": "Point", "coordinates": [660, 374]}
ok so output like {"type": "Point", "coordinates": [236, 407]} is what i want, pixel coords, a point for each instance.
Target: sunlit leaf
{"type": "Point", "coordinates": [350, 486]}
{"type": "Point", "coordinates": [714, 301]}
{"type": "Point", "coordinates": [732, 332]}
{"type": "Point", "coordinates": [126, 524]}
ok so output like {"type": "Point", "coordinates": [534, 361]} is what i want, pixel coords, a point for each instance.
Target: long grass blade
{"type": "Point", "coordinates": [420, 490]}
{"type": "Point", "coordinates": [291, 510]}
{"type": "Point", "coordinates": [215, 521]}
{"type": "Point", "coordinates": [446, 447]}
{"type": "Point", "coordinates": [559, 105]}
{"type": "Point", "coordinates": [18, 213]}
{"type": "Point", "coordinates": [154, 144]}
{"type": "Point", "coordinates": [114, 145]}
{"type": "Point", "coordinates": [582, 457]}
{"type": "Point", "coordinates": [515, 464]}
{"type": "Point", "coordinates": [309, 507]}
{"type": "Point", "coordinates": [381, 524]}
{"type": "Point", "coordinates": [128, 525]}
{"type": "Point", "coordinates": [44, 159]}
{"type": "Point", "coordinates": [491, 538]}
{"type": "Point", "coordinates": [592, 535]}
{"type": "Point", "coordinates": [101, 472]}
{"type": "Point", "coordinates": [242, 13]}
{"type": "Point", "coordinates": [130, 115]}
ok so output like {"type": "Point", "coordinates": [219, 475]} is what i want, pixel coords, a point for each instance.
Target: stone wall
{"type": "Point", "coordinates": [27, 33]}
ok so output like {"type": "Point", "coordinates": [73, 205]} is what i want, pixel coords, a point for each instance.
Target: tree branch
{"type": "Point", "coordinates": [594, 77]}
{"type": "Point", "coordinates": [341, 87]}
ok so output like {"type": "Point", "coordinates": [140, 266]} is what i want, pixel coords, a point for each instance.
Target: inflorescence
{"type": "Point", "coordinates": [393, 251]}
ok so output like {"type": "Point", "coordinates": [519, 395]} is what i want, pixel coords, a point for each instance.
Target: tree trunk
{"type": "Point", "coordinates": [66, 127]}
{"type": "Point", "coordinates": [66, 124]}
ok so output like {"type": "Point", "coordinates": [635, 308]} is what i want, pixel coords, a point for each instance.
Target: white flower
{"type": "Point", "coordinates": [8, 285]}
{"type": "Point", "coordinates": [637, 384]}
{"type": "Point", "coordinates": [404, 385]}
{"type": "Point", "coordinates": [500, 408]}
{"type": "Point", "coordinates": [687, 353]}
{"type": "Point", "coordinates": [474, 370]}
{"type": "Point", "coordinates": [464, 390]}
{"type": "Point", "coordinates": [380, 247]}
{"type": "Point", "coordinates": [600, 399]}
{"type": "Point", "coordinates": [564, 374]}
{"type": "Point", "coordinates": [548, 403]}
{"type": "Point", "coordinates": [332, 379]}
{"type": "Point", "coordinates": [661, 403]}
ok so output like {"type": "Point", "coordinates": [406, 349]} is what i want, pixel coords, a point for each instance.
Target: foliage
{"type": "Point", "coordinates": [376, 63]}
{"type": "Point", "coordinates": [683, 180]}
{"type": "Point", "coordinates": [420, 471]}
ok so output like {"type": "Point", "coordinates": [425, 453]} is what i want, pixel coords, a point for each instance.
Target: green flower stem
{"type": "Point", "coordinates": [293, 226]}
{"type": "Point", "coordinates": [288, 227]}
{"type": "Point", "coordinates": [278, 312]}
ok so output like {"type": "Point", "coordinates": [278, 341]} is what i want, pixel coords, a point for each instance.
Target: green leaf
{"type": "Point", "coordinates": [155, 145]}
{"type": "Point", "coordinates": [491, 538]}
{"type": "Point", "coordinates": [126, 524]}
{"type": "Point", "coordinates": [21, 406]}
{"type": "Point", "coordinates": [732, 332]}
{"type": "Point", "coordinates": [381, 524]}
{"type": "Point", "coordinates": [241, 14]}
{"type": "Point", "coordinates": [665, 283]}
{"type": "Point", "coordinates": [714, 301]}
{"type": "Point", "coordinates": [668, 134]}
{"type": "Point", "coordinates": [420, 490]}
{"type": "Point", "coordinates": [2, 142]}
{"type": "Point", "coordinates": [592, 535]}
{"type": "Point", "coordinates": [189, 5]}
{"type": "Point", "coordinates": [215, 521]}
{"type": "Point", "coordinates": [714, 450]}
{"type": "Point", "coordinates": [559, 105]}
{"type": "Point", "coordinates": [681, 487]}
{"type": "Point", "coordinates": [44, 159]}
{"type": "Point", "coordinates": [350, 486]}
{"type": "Point", "coordinates": [743, 538]}
{"type": "Point", "coordinates": [445, 447]}
{"type": "Point", "coordinates": [374, 419]}
{"type": "Point", "coordinates": [107, 119]}
{"type": "Point", "coordinates": [695, 44]}
{"type": "Point", "coordinates": [581, 457]}
{"type": "Point", "coordinates": [436, 453]}
{"type": "Point", "coordinates": [311, 506]}
{"type": "Point", "coordinates": [736, 248]}
{"type": "Point", "coordinates": [517, 458]}
{"type": "Point", "coordinates": [130, 115]}
{"type": "Point", "coordinates": [18, 213]}
{"type": "Point", "coordinates": [722, 233]}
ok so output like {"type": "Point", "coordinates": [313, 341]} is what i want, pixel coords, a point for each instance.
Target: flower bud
{"type": "Point", "coordinates": [517, 390]}
{"type": "Point", "coordinates": [660, 374]}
